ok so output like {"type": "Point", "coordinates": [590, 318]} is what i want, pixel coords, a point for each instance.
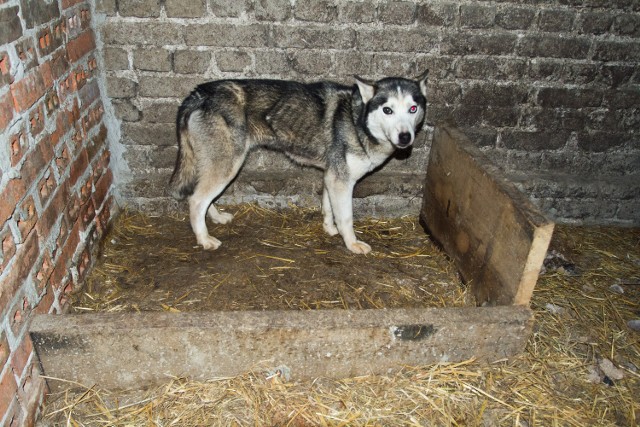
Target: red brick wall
{"type": "Point", "coordinates": [55, 179]}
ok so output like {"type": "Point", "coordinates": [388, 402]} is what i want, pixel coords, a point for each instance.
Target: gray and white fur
{"type": "Point", "coordinates": [344, 131]}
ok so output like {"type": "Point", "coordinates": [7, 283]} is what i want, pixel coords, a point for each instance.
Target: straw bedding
{"type": "Point", "coordinates": [580, 366]}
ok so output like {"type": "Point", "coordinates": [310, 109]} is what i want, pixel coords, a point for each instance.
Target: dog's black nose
{"type": "Point", "coordinates": [404, 139]}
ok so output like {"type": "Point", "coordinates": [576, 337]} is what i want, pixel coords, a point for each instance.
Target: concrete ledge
{"type": "Point", "coordinates": [135, 350]}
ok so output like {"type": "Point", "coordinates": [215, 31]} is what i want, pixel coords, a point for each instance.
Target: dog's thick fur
{"type": "Point", "coordinates": [345, 131]}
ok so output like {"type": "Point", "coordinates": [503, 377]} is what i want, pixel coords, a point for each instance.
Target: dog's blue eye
{"type": "Point", "coordinates": [413, 109]}
{"type": "Point", "coordinates": [387, 110]}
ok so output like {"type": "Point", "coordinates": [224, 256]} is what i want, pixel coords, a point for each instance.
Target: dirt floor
{"type": "Point", "coordinates": [268, 260]}
{"type": "Point", "coordinates": [581, 366]}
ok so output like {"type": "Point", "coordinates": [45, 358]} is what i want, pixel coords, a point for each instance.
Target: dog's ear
{"type": "Point", "coordinates": [422, 82]}
{"type": "Point", "coordinates": [366, 87]}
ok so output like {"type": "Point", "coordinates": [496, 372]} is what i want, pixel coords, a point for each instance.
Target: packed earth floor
{"type": "Point", "coordinates": [581, 365]}
{"type": "Point", "coordinates": [268, 260]}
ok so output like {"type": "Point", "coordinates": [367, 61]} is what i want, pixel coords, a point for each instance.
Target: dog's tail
{"type": "Point", "coordinates": [185, 175]}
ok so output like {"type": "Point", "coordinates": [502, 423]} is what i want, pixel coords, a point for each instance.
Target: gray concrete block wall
{"type": "Point", "coordinates": [549, 89]}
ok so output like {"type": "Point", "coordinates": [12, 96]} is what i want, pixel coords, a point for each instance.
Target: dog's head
{"type": "Point", "coordinates": [394, 108]}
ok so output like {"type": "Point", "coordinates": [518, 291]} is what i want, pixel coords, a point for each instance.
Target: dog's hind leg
{"type": "Point", "coordinates": [220, 152]}
{"type": "Point", "coordinates": [219, 217]}
{"type": "Point", "coordinates": [328, 224]}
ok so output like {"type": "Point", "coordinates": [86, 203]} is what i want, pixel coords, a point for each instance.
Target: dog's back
{"type": "Point", "coordinates": [286, 116]}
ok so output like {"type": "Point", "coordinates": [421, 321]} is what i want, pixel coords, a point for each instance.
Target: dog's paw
{"type": "Point", "coordinates": [330, 229]}
{"type": "Point", "coordinates": [209, 243]}
{"type": "Point", "coordinates": [359, 247]}
{"type": "Point", "coordinates": [221, 217]}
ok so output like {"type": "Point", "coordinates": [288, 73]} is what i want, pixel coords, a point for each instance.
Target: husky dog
{"type": "Point", "coordinates": [345, 131]}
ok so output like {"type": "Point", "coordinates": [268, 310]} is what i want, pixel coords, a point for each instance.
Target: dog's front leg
{"type": "Point", "coordinates": [340, 197]}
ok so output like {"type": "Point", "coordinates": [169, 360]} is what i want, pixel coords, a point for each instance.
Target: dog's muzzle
{"type": "Point", "coordinates": [404, 140]}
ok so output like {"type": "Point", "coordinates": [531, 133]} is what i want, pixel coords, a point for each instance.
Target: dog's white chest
{"type": "Point", "coordinates": [359, 166]}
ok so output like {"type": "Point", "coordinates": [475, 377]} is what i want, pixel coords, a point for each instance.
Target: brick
{"type": "Point", "coordinates": [59, 64]}
{"type": "Point", "coordinates": [614, 75]}
{"type": "Point", "coordinates": [5, 351]}
{"type": "Point", "coordinates": [310, 62]}
{"type": "Point", "coordinates": [7, 248]}
{"type": "Point", "coordinates": [97, 143]}
{"type": "Point", "coordinates": [473, 115]}
{"type": "Point", "coordinates": [6, 110]}
{"type": "Point", "coordinates": [8, 391]}
{"type": "Point", "coordinates": [318, 37]}
{"type": "Point", "coordinates": [571, 98]}
{"type": "Point", "coordinates": [464, 43]}
{"type": "Point", "coordinates": [5, 70]}
{"type": "Point", "coordinates": [32, 87]}
{"type": "Point", "coordinates": [140, 8]}
{"type": "Point", "coordinates": [228, 9]}
{"type": "Point", "coordinates": [515, 18]}
{"type": "Point", "coordinates": [115, 58]}
{"type": "Point", "coordinates": [271, 62]}
{"type": "Point", "coordinates": [556, 20]}
{"type": "Point", "coordinates": [10, 26]}
{"type": "Point", "coordinates": [601, 141]}
{"type": "Point", "coordinates": [233, 60]}
{"type": "Point", "coordinates": [594, 22]}
{"type": "Point", "coordinates": [394, 40]}
{"type": "Point", "coordinates": [384, 64]}
{"type": "Point", "coordinates": [108, 7]}
{"type": "Point", "coordinates": [477, 16]}
{"type": "Point", "coordinates": [494, 95]}
{"type": "Point", "coordinates": [13, 192]}
{"type": "Point", "coordinates": [121, 87]}
{"type": "Point", "coordinates": [46, 187]}
{"type": "Point", "coordinates": [350, 63]}
{"type": "Point", "coordinates": [39, 12]}
{"type": "Point", "coordinates": [80, 46]}
{"type": "Point", "coordinates": [546, 118]}
{"type": "Point", "coordinates": [315, 10]}
{"type": "Point", "coordinates": [627, 24]}
{"type": "Point", "coordinates": [227, 35]}
{"type": "Point", "coordinates": [152, 33]}
{"type": "Point", "coordinates": [23, 353]}
{"type": "Point", "coordinates": [36, 119]}
{"type": "Point", "coordinates": [554, 46]}
{"type": "Point", "coordinates": [534, 141]}
{"type": "Point", "coordinates": [87, 214]}
{"type": "Point", "coordinates": [437, 14]}
{"type": "Point", "coordinates": [78, 167]}
{"type": "Point", "coordinates": [46, 301]}
{"type": "Point", "coordinates": [89, 93]}
{"type": "Point", "coordinates": [190, 9]}
{"type": "Point", "coordinates": [357, 12]}
{"type": "Point", "coordinates": [397, 12]}
{"type": "Point", "coordinates": [615, 50]}
{"type": "Point", "coordinates": [153, 59]}
{"type": "Point", "coordinates": [125, 110]}
{"type": "Point", "coordinates": [27, 54]}
{"type": "Point", "coordinates": [160, 87]}
{"type": "Point", "coordinates": [43, 272]}
{"type": "Point", "coordinates": [51, 38]}
{"type": "Point", "coordinates": [68, 3]}
{"type": "Point", "coordinates": [26, 216]}
{"type": "Point", "coordinates": [272, 10]}
{"type": "Point", "coordinates": [25, 257]}
{"type": "Point", "coordinates": [491, 68]}
{"type": "Point", "coordinates": [102, 187]}
{"type": "Point", "coordinates": [191, 61]}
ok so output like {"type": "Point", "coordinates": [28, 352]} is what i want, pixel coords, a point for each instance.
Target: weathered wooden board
{"type": "Point", "coordinates": [496, 236]}
{"type": "Point", "coordinates": [131, 350]}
